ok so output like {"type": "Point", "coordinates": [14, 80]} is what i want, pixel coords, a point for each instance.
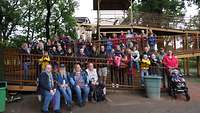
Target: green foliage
{"type": "Point", "coordinates": [24, 20]}
{"type": "Point", "coordinates": [161, 12]}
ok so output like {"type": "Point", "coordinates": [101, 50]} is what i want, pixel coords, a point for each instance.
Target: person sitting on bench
{"type": "Point", "coordinates": [48, 90]}
{"type": "Point", "coordinates": [64, 85]}
{"type": "Point", "coordinates": [79, 80]}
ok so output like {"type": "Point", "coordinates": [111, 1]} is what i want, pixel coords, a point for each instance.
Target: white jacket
{"type": "Point", "coordinates": [92, 75]}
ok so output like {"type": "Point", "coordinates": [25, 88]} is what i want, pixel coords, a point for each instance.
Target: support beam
{"type": "Point", "coordinates": [98, 18]}
{"type": "Point", "coordinates": [174, 43]}
{"type": "Point", "coordinates": [186, 66]}
{"type": "Point", "coordinates": [198, 66]}
{"type": "Point", "coordinates": [186, 42]}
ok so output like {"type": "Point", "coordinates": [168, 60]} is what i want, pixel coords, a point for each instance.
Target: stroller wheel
{"type": "Point", "coordinates": [175, 96]}
{"type": "Point", "coordinates": [187, 97]}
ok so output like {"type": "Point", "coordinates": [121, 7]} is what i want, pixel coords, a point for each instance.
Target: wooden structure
{"type": "Point", "coordinates": [17, 81]}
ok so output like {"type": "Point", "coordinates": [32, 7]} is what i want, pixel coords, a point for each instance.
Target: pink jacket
{"type": "Point", "coordinates": [170, 63]}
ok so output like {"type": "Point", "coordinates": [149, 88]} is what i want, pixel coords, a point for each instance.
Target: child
{"type": "Point", "coordinates": [45, 60]}
{"type": "Point", "coordinates": [145, 63]}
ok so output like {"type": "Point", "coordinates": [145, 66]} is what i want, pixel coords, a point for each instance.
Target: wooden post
{"type": "Point", "coordinates": [174, 43]}
{"type": "Point", "coordinates": [98, 19]}
{"type": "Point", "coordinates": [198, 66]}
{"type": "Point", "coordinates": [186, 42]}
{"type": "Point", "coordinates": [186, 66]}
{"type": "Point", "coordinates": [198, 41]}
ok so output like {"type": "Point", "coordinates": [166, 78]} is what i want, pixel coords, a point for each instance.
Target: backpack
{"type": "Point", "coordinates": [99, 94]}
{"type": "Point", "coordinates": [117, 61]}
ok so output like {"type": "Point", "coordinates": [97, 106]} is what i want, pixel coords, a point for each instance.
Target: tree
{"type": "Point", "coordinates": [159, 12]}
{"type": "Point", "coordinates": [10, 17]}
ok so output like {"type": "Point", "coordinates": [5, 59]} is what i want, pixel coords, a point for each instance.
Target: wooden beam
{"type": "Point", "coordinates": [143, 27]}
{"type": "Point", "coordinates": [21, 88]}
{"type": "Point", "coordinates": [187, 67]}
{"type": "Point", "coordinates": [198, 66]}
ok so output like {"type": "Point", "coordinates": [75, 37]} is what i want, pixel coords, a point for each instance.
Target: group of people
{"type": "Point", "coordinates": [55, 82]}
{"type": "Point", "coordinates": [117, 50]}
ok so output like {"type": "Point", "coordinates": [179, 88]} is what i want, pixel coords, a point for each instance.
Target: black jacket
{"type": "Point", "coordinates": [44, 83]}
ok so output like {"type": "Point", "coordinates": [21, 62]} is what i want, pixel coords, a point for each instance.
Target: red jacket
{"type": "Point", "coordinates": [170, 63]}
{"type": "Point", "coordinates": [115, 41]}
{"type": "Point", "coordinates": [123, 38]}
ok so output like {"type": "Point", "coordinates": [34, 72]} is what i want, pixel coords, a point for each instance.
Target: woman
{"type": "Point", "coordinates": [93, 79]}
{"type": "Point", "coordinates": [69, 52]}
{"type": "Point", "coordinates": [79, 80]}
{"type": "Point", "coordinates": [64, 85]}
{"type": "Point", "coordinates": [94, 52]}
{"type": "Point", "coordinates": [170, 61]}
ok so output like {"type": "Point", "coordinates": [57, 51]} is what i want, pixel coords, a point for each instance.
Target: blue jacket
{"type": "Point", "coordinates": [60, 79]}
{"type": "Point", "coordinates": [84, 77]}
{"type": "Point", "coordinates": [152, 40]}
{"type": "Point", "coordinates": [44, 83]}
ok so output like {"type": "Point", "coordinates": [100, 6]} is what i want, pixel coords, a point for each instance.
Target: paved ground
{"type": "Point", "coordinates": [119, 102]}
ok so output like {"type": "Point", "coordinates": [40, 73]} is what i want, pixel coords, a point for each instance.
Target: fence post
{"type": "Point", "coordinates": [2, 65]}
{"type": "Point", "coordinates": [174, 43]}
{"type": "Point", "coordinates": [198, 66]}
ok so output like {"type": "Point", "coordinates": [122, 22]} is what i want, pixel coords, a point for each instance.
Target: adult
{"type": "Point", "coordinates": [170, 61]}
{"type": "Point", "coordinates": [53, 51]}
{"type": "Point", "coordinates": [48, 90]}
{"type": "Point", "coordinates": [64, 85]}
{"type": "Point", "coordinates": [115, 41]}
{"type": "Point", "coordinates": [94, 52]}
{"type": "Point", "coordinates": [93, 79]}
{"type": "Point", "coordinates": [25, 50]}
{"type": "Point", "coordinates": [79, 81]}
{"type": "Point", "coordinates": [103, 69]}
{"type": "Point", "coordinates": [104, 38]}
{"type": "Point", "coordinates": [136, 58]}
{"type": "Point", "coordinates": [123, 37]}
{"type": "Point", "coordinates": [61, 52]}
{"type": "Point", "coordinates": [69, 52]}
{"type": "Point", "coordinates": [152, 41]}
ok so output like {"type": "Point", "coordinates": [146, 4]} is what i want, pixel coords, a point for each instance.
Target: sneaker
{"type": "Point", "coordinates": [69, 107]}
{"type": "Point", "coordinates": [45, 111]}
{"type": "Point", "coordinates": [113, 85]}
{"type": "Point", "coordinates": [57, 111]}
{"type": "Point", "coordinates": [80, 105]}
{"type": "Point", "coordinates": [117, 85]}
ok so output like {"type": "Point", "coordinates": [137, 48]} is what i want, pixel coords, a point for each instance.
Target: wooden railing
{"type": "Point", "coordinates": [15, 75]}
{"type": "Point", "coordinates": [14, 70]}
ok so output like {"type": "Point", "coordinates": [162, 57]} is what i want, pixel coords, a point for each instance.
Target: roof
{"type": "Point", "coordinates": [112, 4]}
{"type": "Point", "coordinates": [82, 20]}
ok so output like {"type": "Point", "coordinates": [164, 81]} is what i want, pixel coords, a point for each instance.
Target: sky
{"type": "Point", "coordinates": [85, 9]}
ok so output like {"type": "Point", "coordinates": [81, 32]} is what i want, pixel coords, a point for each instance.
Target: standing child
{"type": "Point", "coordinates": [145, 63]}
{"type": "Point", "coordinates": [44, 61]}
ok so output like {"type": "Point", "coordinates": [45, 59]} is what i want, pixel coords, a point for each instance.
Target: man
{"type": "Point", "coordinates": [93, 79]}
{"type": "Point", "coordinates": [48, 90]}
{"type": "Point", "coordinates": [104, 38]}
{"type": "Point", "coordinates": [79, 81]}
{"type": "Point", "coordinates": [25, 51]}
{"type": "Point", "coordinates": [103, 69]}
{"type": "Point", "coordinates": [64, 85]}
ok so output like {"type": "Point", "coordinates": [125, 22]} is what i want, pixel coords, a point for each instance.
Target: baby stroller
{"type": "Point", "coordinates": [177, 84]}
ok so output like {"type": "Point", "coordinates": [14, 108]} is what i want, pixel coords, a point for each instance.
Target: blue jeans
{"type": "Point", "coordinates": [82, 93]}
{"type": "Point", "coordinates": [137, 65]}
{"type": "Point", "coordinates": [26, 70]}
{"type": "Point", "coordinates": [144, 72]}
{"type": "Point", "coordinates": [48, 98]}
{"type": "Point", "coordinates": [67, 93]}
